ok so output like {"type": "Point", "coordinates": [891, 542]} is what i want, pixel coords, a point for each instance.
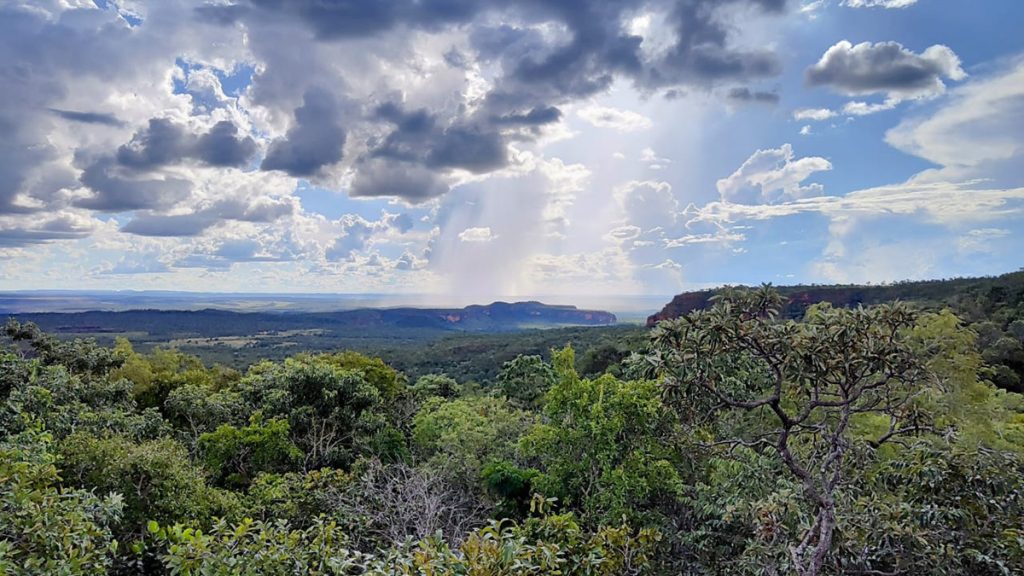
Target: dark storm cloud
{"type": "Point", "coordinates": [534, 117]}
{"type": "Point", "coordinates": [593, 52]}
{"type": "Point", "coordinates": [116, 191]}
{"type": "Point", "coordinates": [476, 150]}
{"type": "Point", "coordinates": [581, 49]}
{"type": "Point", "coordinates": [418, 138]}
{"type": "Point", "coordinates": [383, 177]}
{"type": "Point", "coordinates": [56, 229]}
{"type": "Point", "coordinates": [702, 53]}
{"type": "Point", "coordinates": [341, 19]}
{"type": "Point", "coordinates": [314, 141]}
{"type": "Point", "coordinates": [46, 55]}
{"type": "Point", "coordinates": [222, 147]}
{"type": "Point", "coordinates": [744, 94]}
{"type": "Point", "coordinates": [174, 225]}
{"type": "Point", "coordinates": [884, 67]}
{"type": "Point", "coordinates": [164, 143]}
{"type": "Point", "coordinates": [88, 117]}
{"type": "Point", "coordinates": [264, 210]}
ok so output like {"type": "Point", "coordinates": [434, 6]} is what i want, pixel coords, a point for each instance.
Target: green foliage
{"type": "Point", "coordinates": [430, 385]}
{"type": "Point", "coordinates": [604, 449]}
{"type": "Point", "coordinates": [155, 478]}
{"type": "Point", "coordinates": [830, 398]}
{"type": "Point", "coordinates": [525, 379]}
{"type": "Point", "coordinates": [45, 528]}
{"type": "Point", "coordinates": [388, 382]}
{"type": "Point", "coordinates": [962, 402]}
{"type": "Point", "coordinates": [511, 486]}
{"type": "Point", "coordinates": [156, 375]}
{"type": "Point", "coordinates": [236, 455]}
{"type": "Point", "coordinates": [461, 436]}
{"type": "Point", "coordinates": [80, 357]}
{"type": "Point", "coordinates": [336, 406]}
{"type": "Point", "coordinates": [63, 402]}
{"type": "Point", "coordinates": [546, 545]}
{"type": "Point", "coordinates": [908, 451]}
{"type": "Point", "coordinates": [197, 409]}
{"type": "Point", "coordinates": [936, 509]}
{"type": "Point", "coordinates": [297, 497]}
{"type": "Point", "coordinates": [256, 548]}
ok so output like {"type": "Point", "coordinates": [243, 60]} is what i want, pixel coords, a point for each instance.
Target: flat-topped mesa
{"type": "Point", "coordinates": [535, 312]}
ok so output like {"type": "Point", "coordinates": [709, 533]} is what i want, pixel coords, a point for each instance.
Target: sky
{"type": "Point", "coordinates": [486, 148]}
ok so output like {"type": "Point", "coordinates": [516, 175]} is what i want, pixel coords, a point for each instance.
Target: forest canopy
{"type": "Point", "coordinates": [732, 440]}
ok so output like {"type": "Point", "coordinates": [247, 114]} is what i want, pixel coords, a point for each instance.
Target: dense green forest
{"type": "Point", "coordinates": [731, 440]}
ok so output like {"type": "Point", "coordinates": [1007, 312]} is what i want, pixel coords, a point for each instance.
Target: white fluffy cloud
{"type": "Point", "coordinates": [817, 114]}
{"type": "Point", "coordinates": [773, 175]}
{"type": "Point", "coordinates": [478, 234]}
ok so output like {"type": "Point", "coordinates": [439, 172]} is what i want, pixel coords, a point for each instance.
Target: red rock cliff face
{"type": "Point", "coordinates": [681, 305]}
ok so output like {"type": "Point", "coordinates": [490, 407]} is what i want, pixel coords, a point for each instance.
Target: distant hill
{"type": "Point", "coordinates": [799, 297]}
{"type": "Point", "coordinates": [496, 317]}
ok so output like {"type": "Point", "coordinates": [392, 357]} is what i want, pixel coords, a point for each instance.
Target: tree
{"type": "Point", "coordinates": [44, 528]}
{"type": "Point", "coordinates": [430, 385]}
{"type": "Point", "coordinates": [797, 388]}
{"type": "Point", "coordinates": [236, 455]}
{"type": "Point", "coordinates": [397, 503]}
{"type": "Point", "coordinates": [155, 478]}
{"type": "Point", "coordinates": [525, 379]}
{"type": "Point", "coordinates": [256, 548]}
{"type": "Point", "coordinates": [65, 402]}
{"type": "Point", "coordinates": [336, 406]}
{"type": "Point", "coordinates": [603, 448]}
{"type": "Point", "coordinates": [78, 356]}
{"type": "Point", "coordinates": [460, 437]}
{"type": "Point", "coordinates": [199, 409]}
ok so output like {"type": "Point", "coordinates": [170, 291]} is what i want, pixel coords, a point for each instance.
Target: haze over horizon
{"type": "Point", "coordinates": [474, 151]}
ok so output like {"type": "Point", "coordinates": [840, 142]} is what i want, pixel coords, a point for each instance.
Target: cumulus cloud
{"type": "Point", "coordinates": [163, 142]}
{"type": "Point", "coordinates": [65, 227]}
{"type": "Point", "coordinates": [315, 140]}
{"type": "Point", "coordinates": [115, 189]}
{"type": "Point", "coordinates": [356, 234]}
{"type": "Point", "coordinates": [864, 108]}
{"type": "Point", "coordinates": [654, 162]}
{"type": "Point", "coordinates": [816, 114]}
{"type": "Point", "coordinates": [478, 234]}
{"type": "Point", "coordinates": [772, 175]}
{"type": "Point", "coordinates": [648, 204]}
{"type": "Point", "coordinates": [885, 67]}
{"type": "Point", "coordinates": [970, 202]}
{"type": "Point", "coordinates": [176, 77]}
{"type": "Point", "coordinates": [394, 178]}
